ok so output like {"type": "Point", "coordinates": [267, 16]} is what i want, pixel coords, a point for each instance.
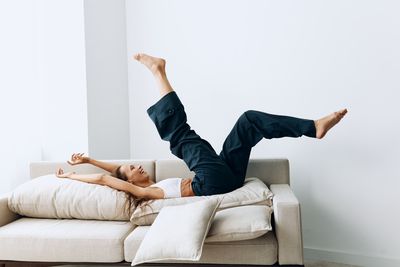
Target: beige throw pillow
{"type": "Point", "coordinates": [52, 197]}
{"type": "Point", "coordinates": [240, 223]}
{"type": "Point", "coordinates": [178, 233]}
{"type": "Point", "coordinates": [254, 191]}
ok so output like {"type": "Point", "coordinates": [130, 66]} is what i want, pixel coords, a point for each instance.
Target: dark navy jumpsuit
{"type": "Point", "coordinates": [223, 173]}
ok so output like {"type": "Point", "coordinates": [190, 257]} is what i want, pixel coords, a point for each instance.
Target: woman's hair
{"type": "Point", "coordinates": [131, 199]}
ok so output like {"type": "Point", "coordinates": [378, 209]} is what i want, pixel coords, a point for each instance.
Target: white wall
{"type": "Point", "coordinates": [19, 135]}
{"type": "Point", "coordinates": [62, 74]}
{"type": "Point", "coordinates": [107, 79]}
{"type": "Point", "coordinates": [300, 58]}
{"type": "Point", "coordinates": [42, 85]}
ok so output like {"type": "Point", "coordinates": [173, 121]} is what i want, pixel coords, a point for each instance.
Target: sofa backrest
{"type": "Point", "coordinates": [40, 168]}
{"type": "Point", "coordinates": [271, 171]}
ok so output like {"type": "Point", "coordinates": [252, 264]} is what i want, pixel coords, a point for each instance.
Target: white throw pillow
{"type": "Point", "coordinates": [240, 223]}
{"type": "Point", "coordinates": [52, 197]}
{"type": "Point", "coordinates": [253, 191]}
{"type": "Point", "coordinates": [178, 233]}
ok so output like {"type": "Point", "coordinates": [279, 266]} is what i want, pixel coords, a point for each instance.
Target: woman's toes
{"type": "Point", "coordinates": [136, 56]}
{"type": "Point", "coordinates": [152, 63]}
{"type": "Point", "coordinates": [342, 113]}
{"type": "Point", "coordinates": [324, 124]}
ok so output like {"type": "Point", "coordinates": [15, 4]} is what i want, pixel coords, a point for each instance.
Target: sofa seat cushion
{"type": "Point", "coordinates": [63, 240]}
{"type": "Point", "coordinates": [261, 250]}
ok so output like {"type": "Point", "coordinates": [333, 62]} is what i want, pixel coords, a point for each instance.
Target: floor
{"type": "Point", "coordinates": [307, 264]}
{"type": "Point", "coordinates": [326, 264]}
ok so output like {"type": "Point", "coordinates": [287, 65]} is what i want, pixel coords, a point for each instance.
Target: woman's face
{"type": "Point", "coordinates": [134, 173]}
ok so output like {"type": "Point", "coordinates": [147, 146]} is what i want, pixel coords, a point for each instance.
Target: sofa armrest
{"type": "Point", "coordinates": [288, 229]}
{"type": "Point", "coordinates": [6, 215]}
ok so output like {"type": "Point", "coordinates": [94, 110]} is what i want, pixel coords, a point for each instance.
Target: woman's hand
{"type": "Point", "coordinates": [60, 173]}
{"type": "Point", "coordinates": [78, 158]}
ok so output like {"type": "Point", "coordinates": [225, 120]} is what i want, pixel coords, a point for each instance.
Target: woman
{"type": "Point", "coordinates": [214, 174]}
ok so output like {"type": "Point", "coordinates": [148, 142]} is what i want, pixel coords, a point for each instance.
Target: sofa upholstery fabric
{"type": "Point", "coordinates": [240, 223]}
{"type": "Point", "coordinates": [261, 250]}
{"type": "Point", "coordinates": [51, 197]}
{"type": "Point", "coordinates": [6, 215]}
{"type": "Point", "coordinates": [287, 224]}
{"type": "Point", "coordinates": [254, 191]}
{"type": "Point", "coordinates": [283, 243]}
{"type": "Point", "coordinates": [178, 232]}
{"type": "Point", "coordinates": [64, 240]}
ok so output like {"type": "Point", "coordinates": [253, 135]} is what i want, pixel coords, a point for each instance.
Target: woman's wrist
{"type": "Point", "coordinates": [73, 176]}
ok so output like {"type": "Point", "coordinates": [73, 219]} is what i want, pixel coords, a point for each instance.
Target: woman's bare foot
{"type": "Point", "coordinates": [324, 124]}
{"type": "Point", "coordinates": [154, 64]}
{"type": "Point", "coordinates": [157, 67]}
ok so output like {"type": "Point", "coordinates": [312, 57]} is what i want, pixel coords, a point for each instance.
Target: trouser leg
{"type": "Point", "coordinates": [170, 119]}
{"type": "Point", "coordinates": [251, 127]}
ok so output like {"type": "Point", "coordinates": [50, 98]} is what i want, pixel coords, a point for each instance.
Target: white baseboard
{"type": "Point", "coordinates": [347, 258]}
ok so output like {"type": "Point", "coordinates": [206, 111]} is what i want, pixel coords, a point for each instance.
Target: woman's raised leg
{"type": "Point", "coordinates": [252, 126]}
{"type": "Point", "coordinates": [170, 119]}
{"type": "Point", "coordinates": [213, 175]}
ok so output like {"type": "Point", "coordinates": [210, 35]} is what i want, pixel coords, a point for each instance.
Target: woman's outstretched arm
{"type": "Point", "coordinates": [122, 185]}
{"type": "Point", "coordinates": [104, 179]}
{"type": "Point", "coordinates": [79, 158]}
{"type": "Point", "coordinates": [95, 178]}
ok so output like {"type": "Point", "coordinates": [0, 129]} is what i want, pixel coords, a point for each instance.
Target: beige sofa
{"type": "Point", "coordinates": [51, 242]}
